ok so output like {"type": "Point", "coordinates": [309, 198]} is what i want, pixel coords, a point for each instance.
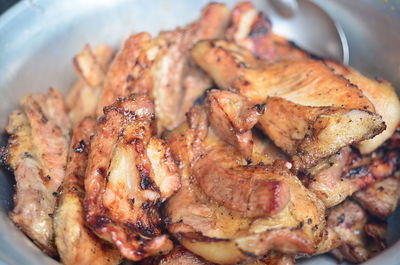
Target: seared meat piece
{"type": "Point", "coordinates": [252, 29]}
{"type": "Point", "coordinates": [254, 191]}
{"type": "Point", "coordinates": [310, 134]}
{"type": "Point", "coordinates": [91, 67]}
{"type": "Point", "coordinates": [178, 256]}
{"type": "Point", "coordinates": [162, 67]}
{"type": "Point", "coordinates": [360, 239]}
{"type": "Point", "coordinates": [126, 63]}
{"type": "Point", "coordinates": [380, 199]}
{"type": "Point", "coordinates": [275, 258]}
{"type": "Point", "coordinates": [264, 150]}
{"type": "Point", "coordinates": [232, 117]}
{"type": "Point", "coordinates": [305, 82]}
{"type": "Point", "coordinates": [338, 177]}
{"type": "Point", "coordinates": [384, 98]}
{"type": "Point", "coordinates": [37, 153]}
{"type": "Point", "coordinates": [220, 234]}
{"type": "Point", "coordinates": [76, 244]}
{"type": "Point", "coordinates": [130, 172]}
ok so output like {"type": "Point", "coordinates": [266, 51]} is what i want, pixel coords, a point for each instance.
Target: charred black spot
{"type": "Point", "coordinates": [300, 225]}
{"type": "Point", "coordinates": [100, 221]}
{"type": "Point", "coordinates": [80, 147]}
{"type": "Point", "coordinates": [260, 108]}
{"type": "Point", "coordinates": [249, 161]}
{"type": "Point", "coordinates": [129, 78]}
{"type": "Point", "coordinates": [4, 156]}
{"type": "Point", "coordinates": [55, 194]}
{"type": "Point", "coordinates": [50, 215]}
{"type": "Point", "coordinates": [101, 171]}
{"type": "Point", "coordinates": [48, 177]}
{"type": "Point", "coordinates": [145, 181]}
{"type": "Point", "coordinates": [145, 230]}
{"type": "Point", "coordinates": [309, 221]}
{"type": "Point", "coordinates": [357, 171]}
{"type": "Point", "coordinates": [261, 27]}
{"type": "Point", "coordinates": [340, 219]}
{"type": "Point", "coordinates": [241, 65]}
{"type": "Point", "coordinates": [146, 205]}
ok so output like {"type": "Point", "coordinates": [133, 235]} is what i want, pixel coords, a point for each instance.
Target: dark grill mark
{"type": "Point", "coordinates": [81, 146]}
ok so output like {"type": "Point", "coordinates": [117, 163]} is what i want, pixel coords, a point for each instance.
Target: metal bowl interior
{"type": "Point", "coordinates": [39, 38]}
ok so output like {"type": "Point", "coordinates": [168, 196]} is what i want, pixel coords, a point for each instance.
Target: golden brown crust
{"type": "Point", "coordinates": [76, 244]}
{"type": "Point", "coordinates": [356, 232]}
{"type": "Point", "coordinates": [306, 82]}
{"type": "Point", "coordinates": [37, 152]}
{"type": "Point", "coordinates": [130, 172]}
{"type": "Point", "coordinates": [223, 235]}
{"type": "Point", "coordinates": [232, 117]}
{"type": "Point", "coordinates": [310, 134]}
{"type": "Point", "coordinates": [91, 67]}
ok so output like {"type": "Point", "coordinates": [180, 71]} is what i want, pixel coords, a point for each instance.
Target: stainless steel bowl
{"type": "Point", "coordinates": [39, 37]}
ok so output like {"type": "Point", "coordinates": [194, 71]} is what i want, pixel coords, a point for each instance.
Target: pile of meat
{"type": "Point", "coordinates": [216, 143]}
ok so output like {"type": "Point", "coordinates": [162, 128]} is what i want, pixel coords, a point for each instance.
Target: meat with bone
{"type": "Point", "coordinates": [37, 153]}
{"type": "Point", "coordinates": [223, 235]}
{"type": "Point", "coordinates": [130, 173]}
{"type": "Point", "coordinates": [76, 244]}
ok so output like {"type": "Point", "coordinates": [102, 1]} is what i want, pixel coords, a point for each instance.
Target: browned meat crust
{"type": "Point", "coordinates": [76, 244]}
{"type": "Point", "coordinates": [130, 172]}
{"type": "Point", "coordinates": [91, 66]}
{"type": "Point", "coordinates": [348, 171]}
{"type": "Point", "coordinates": [206, 227]}
{"type": "Point", "coordinates": [361, 238]}
{"type": "Point", "coordinates": [37, 153]}
{"type": "Point", "coordinates": [380, 199]}
{"type": "Point", "coordinates": [162, 67]}
{"type": "Point", "coordinates": [232, 117]}
{"type": "Point", "coordinates": [252, 29]}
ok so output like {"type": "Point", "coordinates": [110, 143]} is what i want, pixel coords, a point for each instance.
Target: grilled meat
{"type": "Point", "coordinates": [130, 172]}
{"type": "Point", "coordinates": [310, 134]}
{"type": "Point", "coordinates": [252, 29]}
{"type": "Point", "coordinates": [37, 153]}
{"type": "Point", "coordinates": [346, 172]}
{"type": "Point", "coordinates": [211, 229]}
{"type": "Point", "coordinates": [361, 238]}
{"type": "Point", "coordinates": [380, 199]}
{"type": "Point", "coordinates": [162, 68]}
{"type": "Point", "coordinates": [91, 67]}
{"type": "Point", "coordinates": [383, 97]}
{"type": "Point", "coordinates": [76, 244]}
{"type": "Point", "coordinates": [306, 82]}
{"type": "Point", "coordinates": [179, 255]}
{"type": "Point", "coordinates": [232, 117]}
